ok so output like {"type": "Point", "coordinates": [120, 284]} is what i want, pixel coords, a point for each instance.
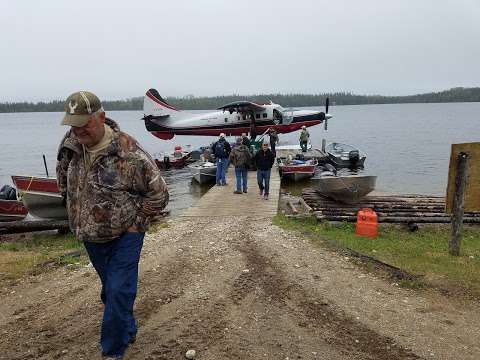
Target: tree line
{"type": "Point", "coordinates": [458, 94]}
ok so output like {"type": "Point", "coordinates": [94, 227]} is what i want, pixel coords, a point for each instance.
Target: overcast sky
{"type": "Point", "coordinates": [119, 49]}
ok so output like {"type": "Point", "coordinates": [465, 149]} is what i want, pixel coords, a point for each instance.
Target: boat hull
{"type": "Point", "coordinates": [347, 189]}
{"type": "Point", "coordinates": [41, 197]}
{"type": "Point", "coordinates": [297, 172]}
{"type": "Point", "coordinates": [12, 210]}
{"type": "Point", "coordinates": [203, 174]}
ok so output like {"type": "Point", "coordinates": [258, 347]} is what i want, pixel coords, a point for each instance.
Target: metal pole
{"type": "Point", "coordinates": [458, 204]}
{"type": "Point", "coordinates": [45, 163]}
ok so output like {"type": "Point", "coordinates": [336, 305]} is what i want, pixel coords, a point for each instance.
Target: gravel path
{"type": "Point", "coordinates": [235, 288]}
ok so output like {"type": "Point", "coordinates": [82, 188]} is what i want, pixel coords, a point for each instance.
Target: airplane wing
{"type": "Point", "coordinates": [242, 106]}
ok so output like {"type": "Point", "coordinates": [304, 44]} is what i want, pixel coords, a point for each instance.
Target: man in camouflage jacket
{"type": "Point", "coordinates": [112, 188]}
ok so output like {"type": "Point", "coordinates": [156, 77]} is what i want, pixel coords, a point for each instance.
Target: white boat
{"type": "Point", "coordinates": [203, 171]}
{"type": "Point", "coordinates": [347, 189]}
{"type": "Point", "coordinates": [41, 196]}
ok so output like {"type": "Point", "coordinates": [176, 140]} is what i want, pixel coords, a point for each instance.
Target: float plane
{"type": "Point", "coordinates": [165, 121]}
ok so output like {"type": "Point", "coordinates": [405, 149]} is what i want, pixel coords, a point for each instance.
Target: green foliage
{"type": "Point", "coordinates": [458, 94]}
{"type": "Point", "coordinates": [424, 252]}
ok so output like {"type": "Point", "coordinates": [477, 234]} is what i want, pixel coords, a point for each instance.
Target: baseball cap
{"type": "Point", "coordinates": [79, 107]}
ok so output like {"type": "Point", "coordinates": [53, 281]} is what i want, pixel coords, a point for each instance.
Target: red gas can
{"type": "Point", "coordinates": [367, 223]}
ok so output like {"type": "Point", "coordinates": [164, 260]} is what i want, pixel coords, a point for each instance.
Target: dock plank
{"type": "Point", "coordinates": [221, 201]}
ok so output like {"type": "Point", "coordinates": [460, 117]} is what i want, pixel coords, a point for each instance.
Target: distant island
{"type": "Point", "coordinates": [457, 94]}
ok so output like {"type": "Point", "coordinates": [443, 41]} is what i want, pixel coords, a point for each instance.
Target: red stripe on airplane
{"type": "Point", "coordinates": [282, 129]}
{"type": "Point", "coordinates": [160, 102]}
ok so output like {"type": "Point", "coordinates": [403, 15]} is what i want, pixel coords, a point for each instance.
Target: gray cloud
{"type": "Point", "coordinates": [119, 49]}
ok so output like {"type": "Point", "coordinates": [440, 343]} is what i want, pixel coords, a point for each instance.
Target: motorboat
{"type": "Point", "coordinates": [345, 156]}
{"type": "Point", "coordinates": [41, 196]}
{"type": "Point", "coordinates": [10, 208]}
{"type": "Point", "coordinates": [296, 169]}
{"type": "Point", "coordinates": [203, 171]}
{"type": "Point", "coordinates": [344, 188]}
{"type": "Point", "coordinates": [176, 160]}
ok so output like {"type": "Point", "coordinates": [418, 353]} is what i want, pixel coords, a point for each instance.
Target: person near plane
{"type": "Point", "coordinates": [304, 138]}
{"type": "Point", "coordinates": [240, 158]}
{"type": "Point", "coordinates": [253, 130]}
{"type": "Point", "coordinates": [221, 149]}
{"type": "Point", "coordinates": [273, 140]}
{"type": "Point", "coordinates": [264, 161]}
{"type": "Point", "coordinates": [112, 189]}
{"type": "Point", "coordinates": [245, 140]}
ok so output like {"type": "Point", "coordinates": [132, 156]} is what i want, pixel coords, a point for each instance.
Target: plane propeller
{"type": "Point", "coordinates": [327, 101]}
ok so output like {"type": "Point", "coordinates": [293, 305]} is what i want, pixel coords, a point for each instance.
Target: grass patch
{"type": "Point", "coordinates": [30, 255]}
{"type": "Point", "coordinates": [424, 252]}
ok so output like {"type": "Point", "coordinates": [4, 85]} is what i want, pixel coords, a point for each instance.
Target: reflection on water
{"type": "Point", "coordinates": [184, 191]}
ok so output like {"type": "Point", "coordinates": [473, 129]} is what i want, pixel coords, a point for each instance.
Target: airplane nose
{"type": "Point", "coordinates": [328, 116]}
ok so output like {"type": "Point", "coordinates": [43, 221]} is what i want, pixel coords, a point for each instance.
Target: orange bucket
{"type": "Point", "coordinates": [367, 223]}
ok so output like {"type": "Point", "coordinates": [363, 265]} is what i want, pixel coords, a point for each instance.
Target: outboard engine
{"type": "Point", "coordinates": [354, 157]}
{"type": "Point", "coordinates": [166, 162]}
{"type": "Point", "coordinates": [8, 193]}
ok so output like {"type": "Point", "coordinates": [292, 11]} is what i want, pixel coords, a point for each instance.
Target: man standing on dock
{"type": "Point", "coordinates": [240, 158]}
{"type": "Point", "coordinates": [264, 160]}
{"type": "Point", "coordinates": [221, 149]}
{"type": "Point", "coordinates": [304, 137]}
{"type": "Point", "coordinates": [112, 189]}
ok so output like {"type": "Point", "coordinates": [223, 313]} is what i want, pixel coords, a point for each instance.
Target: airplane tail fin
{"type": "Point", "coordinates": [155, 107]}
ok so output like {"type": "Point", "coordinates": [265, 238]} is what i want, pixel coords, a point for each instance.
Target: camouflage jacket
{"type": "Point", "coordinates": [121, 188]}
{"type": "Point", "coordinates": [240, 156]}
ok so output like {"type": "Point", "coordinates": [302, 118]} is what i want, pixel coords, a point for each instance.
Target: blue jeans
{"type": "Point", "coordinates": [222, 165]}
{"type": "Point", "coordinates": [263, 179]}
{"type": "Point", "coordinates": [241, 174]}
{"type": "Point", "coordinates": [116, 263]}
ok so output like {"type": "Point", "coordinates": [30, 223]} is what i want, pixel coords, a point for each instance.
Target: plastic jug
{"type": "Point", "coordinates": [367, 223]}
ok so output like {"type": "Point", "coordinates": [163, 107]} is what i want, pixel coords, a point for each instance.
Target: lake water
{"type": "Point", "coordinates": [407, 145]}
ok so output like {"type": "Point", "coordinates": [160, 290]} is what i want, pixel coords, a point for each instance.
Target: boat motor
{"type": "Point", "coordinates": [166, 162]}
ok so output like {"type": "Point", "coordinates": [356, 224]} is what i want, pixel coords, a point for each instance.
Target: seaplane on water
{"type": "Point", "coordinates": [165, 121]}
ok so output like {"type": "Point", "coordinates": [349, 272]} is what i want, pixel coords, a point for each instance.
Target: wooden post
{"type": "Point", "coordinates": [458, 204]}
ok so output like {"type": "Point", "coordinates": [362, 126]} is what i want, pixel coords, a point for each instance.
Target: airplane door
{"type": "Point", "coordinates": [287, 117]}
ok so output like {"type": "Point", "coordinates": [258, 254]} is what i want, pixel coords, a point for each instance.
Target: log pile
{"type": "Point", "coordinates": [389, 208]}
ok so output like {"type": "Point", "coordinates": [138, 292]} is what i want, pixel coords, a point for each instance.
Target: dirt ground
{"type": "Point", "coordinates": [240, 289]}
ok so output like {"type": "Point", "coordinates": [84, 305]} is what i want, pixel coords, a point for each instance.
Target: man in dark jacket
{"type": "Point", "coordinates": [246, 140]}
{"type": "Point", "coordinates": [264, 160]}
{"type": "Point", "coordinates": [240, 158]}
{"type": "Point", "coordinates": [221, 149]}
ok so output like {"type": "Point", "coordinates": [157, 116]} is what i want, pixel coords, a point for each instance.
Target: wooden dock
{"type": "Point", "coordinates": [221, 201]}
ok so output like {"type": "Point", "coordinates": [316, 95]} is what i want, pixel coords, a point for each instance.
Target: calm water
{"type": "Point", "coordinates": [407, 145]}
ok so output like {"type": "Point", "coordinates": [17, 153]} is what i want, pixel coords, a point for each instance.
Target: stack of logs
{"type": "Point", "coordinates": [389, 208]}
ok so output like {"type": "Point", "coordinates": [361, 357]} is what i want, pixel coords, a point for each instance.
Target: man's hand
{"type": "Point", "coordinates": [132, 228]}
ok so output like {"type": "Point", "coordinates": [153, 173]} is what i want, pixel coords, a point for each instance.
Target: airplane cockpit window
{"type": "Point", "coordinates": [277, 116]}
{"type": "Point", "coordinates": [264, 115]}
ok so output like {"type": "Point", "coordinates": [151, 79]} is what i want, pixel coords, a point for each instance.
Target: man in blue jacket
{"type": "Point", "coordinates": [221, 149]}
